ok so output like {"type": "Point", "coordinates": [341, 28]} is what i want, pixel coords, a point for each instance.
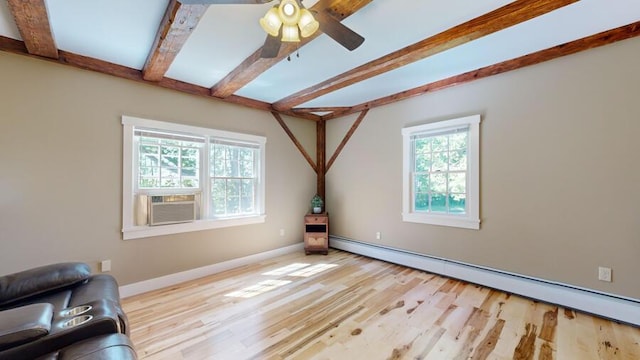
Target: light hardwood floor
{"type": "Point", "coordinates": [345, 306]}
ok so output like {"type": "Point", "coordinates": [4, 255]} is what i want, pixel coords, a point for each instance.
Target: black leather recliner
{"type": "Point", "coordinates": [61, 311]}
{"type": "Point", "coordinates": [104, 347]}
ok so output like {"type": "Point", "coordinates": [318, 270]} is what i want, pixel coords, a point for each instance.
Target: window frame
{"type": "Point", "coordinates": [469, 220]}
{"type": "Point", "coordinates": [129, 182]}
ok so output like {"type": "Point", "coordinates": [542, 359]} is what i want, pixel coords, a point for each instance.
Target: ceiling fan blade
{"type": "Point", "coordinates": [214, 2]}
{"type": "Point", "coordinates": [271, 47]}
{"type": "Point", "coordinates": [338, 32]}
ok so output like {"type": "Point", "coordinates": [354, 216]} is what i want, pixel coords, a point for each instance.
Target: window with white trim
{"type": "Point", "coordinates": [441, 173]}
{"type": "Point", "coordinates": [219, 175]}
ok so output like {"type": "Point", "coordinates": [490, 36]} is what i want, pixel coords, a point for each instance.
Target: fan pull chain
{"type": "Point", "coordinates": [297, 54]}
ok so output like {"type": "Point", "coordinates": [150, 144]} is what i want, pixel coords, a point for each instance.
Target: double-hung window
{"type": "Point", "coordinates": [441, 173]}
{"type": "Point", "coordinates": [233, 177]}
{"type": "Point", "coordinates": [194, 178]}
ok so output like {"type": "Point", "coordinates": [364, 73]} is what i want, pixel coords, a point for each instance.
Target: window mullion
{"type": "Point", "coordinates": [449, 173]}
{"type": "Point", "coordinates": [430, 189]}
{"type": "Point", "coordinates": [205, 179]}
{"type": "Point", "coordinates": [160, 167]}
{"type": "Point", "coordinates": [136, 165]}
{"type": "Point", "coordinates": [446, 191]}
{"type": "Point", "coordinates": [226, 195]}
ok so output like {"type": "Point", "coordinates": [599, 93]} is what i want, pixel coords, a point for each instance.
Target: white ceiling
{"type": "Point", "coordinates": [123, 31]}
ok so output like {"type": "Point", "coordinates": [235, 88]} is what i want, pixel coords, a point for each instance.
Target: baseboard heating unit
{"type": "Point", "coordinates": [610, 306]}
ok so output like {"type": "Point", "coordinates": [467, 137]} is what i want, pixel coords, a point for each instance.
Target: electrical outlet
{"type": "Point", "coordinates": [378, 235]}
{"type": "Point", "coordinates": [604, 274]}
{"type": "Point", "coordinates": [105, 265]}
{"type": "Point", "coordinates": [281, 232]}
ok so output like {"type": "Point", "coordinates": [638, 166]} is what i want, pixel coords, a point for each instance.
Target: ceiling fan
{"type": "Point", "coordinates": [289, 19]}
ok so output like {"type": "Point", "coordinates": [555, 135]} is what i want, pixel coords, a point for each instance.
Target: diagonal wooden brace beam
{"type": "Point", "coordinates": [295, 141]}
{"type": "Point", "coordinates": [346, 139]}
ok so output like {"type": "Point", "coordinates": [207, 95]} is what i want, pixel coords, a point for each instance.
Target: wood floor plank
{"type": "Point", "coordinates": [346, 306]}
{"type": "Point", "coordinates": [488, 343]}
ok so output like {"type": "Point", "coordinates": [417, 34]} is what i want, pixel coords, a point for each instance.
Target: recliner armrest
{"type": "Point", "coordinates": [24, 284]}
{"type": "Point", "coordinates": [24, 324]}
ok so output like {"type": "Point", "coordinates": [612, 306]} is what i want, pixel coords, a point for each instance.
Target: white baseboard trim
{"type": "Point", "coordinates": [177, 278]}
{"type": "Point", "coordinates": [611, 306]}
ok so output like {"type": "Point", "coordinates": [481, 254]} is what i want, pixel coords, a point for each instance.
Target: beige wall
{"type": "Point", "coordinates": [559, 171]}
{"type": "Point", "coordinates": [61, 173]}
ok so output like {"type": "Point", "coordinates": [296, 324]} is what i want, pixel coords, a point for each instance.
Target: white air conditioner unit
{"type": "Point", "coordinates": [171, 209]}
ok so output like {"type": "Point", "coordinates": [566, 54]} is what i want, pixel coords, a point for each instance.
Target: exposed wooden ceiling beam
{"type": "Point", "coordinates": [175, 28]}
{"type": "Point", "coordinates": [320, 109]}
{"type": "Point", "coordinates": [300, 114]}
{"type": "Point", "coordinates": [32, 19]}
{"type": "Point", "coordinates": [13, 46]}
{"type": "Point", "coordinates": [590, 42]}
{"type": "Point", "coordinates": [499, 19]}
{"type": "Point", "coordinates": [254, 65]}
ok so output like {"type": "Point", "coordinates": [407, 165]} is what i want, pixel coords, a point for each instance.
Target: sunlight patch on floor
{"type": "Point", "coordinates": [286, 269]}
{"type": "Point", "coordinates": [259, 288]}
{"type": "Point", "coordinates": [294, 270]}
{"type": "Point", "coordinates": [312, 270]}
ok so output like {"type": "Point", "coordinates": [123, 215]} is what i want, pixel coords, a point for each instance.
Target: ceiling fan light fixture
{"type": "Point", "coordinates": [271, 22]}
{"type": "Point", "coordinates": [308, 25]}
{"type": "Point", "coordinates": [293, 18]}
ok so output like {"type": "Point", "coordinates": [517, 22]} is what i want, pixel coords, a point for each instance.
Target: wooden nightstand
{"type": "Point", "coordinates": [316, 233]}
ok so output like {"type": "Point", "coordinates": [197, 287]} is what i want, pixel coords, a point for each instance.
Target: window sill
{"type": "Point", "coordinates": [442, 220]}
{"type": "Point", "coordinates": [137, 232]}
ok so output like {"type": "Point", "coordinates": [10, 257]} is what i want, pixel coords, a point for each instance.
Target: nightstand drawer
{"type": "Point", "coordinates": [311, 219]}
